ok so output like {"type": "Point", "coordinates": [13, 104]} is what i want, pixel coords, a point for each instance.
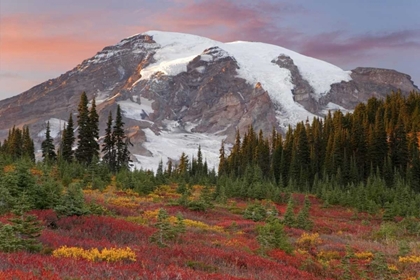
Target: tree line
{"type": "Point", "coordinates": [369, 159]}
{"type": "Point", "coordinates": [114, 148]}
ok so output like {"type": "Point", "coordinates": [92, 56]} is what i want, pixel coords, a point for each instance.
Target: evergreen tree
{"type": "Point", "coordinates": [47, 146]}
{"type": "Point", "coordinates": [289, 215]}
{"type": "Point", "coordinates": [84, 145]}
{"type": "Point", "coordinates": [398, 146]}
{"type": "Point", "coordinates": [272, 236]}
{"type": "Point", "coordinates": [183, 165]}
{"type": "Point", "coordinates": [302, 219]}
{"type": "Point", "coordinates": [67, 141]}
{"type": "Point", "coordinates": [108, 147]}
{"type": "Point", "coordinates": [94, 130]}
{"type": "Point", "coordinates": [122, 155]}
{"type": "Point", "coordinates": [164, 232]}
{"type": "Point", "coordinates": [72, 202]}
{"type": "Point", "coordinates": [26, 227]}
{"type": "Point", "coordinates": [28, 147]}
{"type": "Point", "coordinates": [222, 160]}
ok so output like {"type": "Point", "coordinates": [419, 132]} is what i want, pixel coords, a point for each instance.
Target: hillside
{"type": "Point", "coordinates": [219, 243]}
{"type": "Point", "coordinates": [179, 91]}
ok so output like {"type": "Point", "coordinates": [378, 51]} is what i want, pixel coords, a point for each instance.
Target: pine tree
{"type": "Point", "coordinates": [164, 231]}
{"type": "Point", "coordinates": [72, 202]}
{"type": "Point", "coordinates": [272, 236]}
{"type": "Point", "coordinates": [108, 147]}
{"type": "Point", "coordinates": [67, 141]}
{"type": "Point", "coordinates": [84, 146]}
{"type": "Point", "coordinates": [121, 142]}
{"type": "Point", "coordinates": [222, 160]}
{"type": "Point", "coordinates": [289, 215]}
{"type": "Point", "coordinates": [28, 147]}
{"type": "Point", "coordinates": [168, 171]}
{"type": "Point", "coordinates": [302, 219]}
{"type": "Point", "coordinates": [26, 227]}
{"type": "Point", "coordinates": [47, 146]}
{"type": "Point", "coordinates": [94, 130]}
{"type": "Point", "coordinates": [179, 226]}
{"type": "Point", "coordinates": [398, 146]}
{"type": "Point", "coordinates": [183, 165]}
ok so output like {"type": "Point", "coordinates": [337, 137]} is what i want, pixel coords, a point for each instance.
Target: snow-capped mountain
{"type": "Point", "coordinates": [178, 91]}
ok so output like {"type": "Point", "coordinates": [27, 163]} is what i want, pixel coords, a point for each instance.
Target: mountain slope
{"type": "Point", "coordinates": [178, 91]}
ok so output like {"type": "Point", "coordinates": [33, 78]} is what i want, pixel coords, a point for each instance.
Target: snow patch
{"type": "Point", "coordinates": [170, 145]}
{"type": "Point", "coordinates": [136, 111]}
{"type": "Point", "coordinates": [200, 69]}
{"type": "Point", "coordinates": [335, 107]}
{"type": "Point", "coordinates": [254, 61]}
{"type": "Point", "coordinates": [56, 127]}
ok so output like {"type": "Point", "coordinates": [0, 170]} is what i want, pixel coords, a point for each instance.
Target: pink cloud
{"type": "Point", "coordinates": [335, 45]}
{"type": "Point", "coordinates": [227, 20]}
{"type": "Point", "coordinates": [46, 42]}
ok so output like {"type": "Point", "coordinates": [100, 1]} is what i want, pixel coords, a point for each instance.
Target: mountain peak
{"type": "Point", "coordinates": [178, 91]}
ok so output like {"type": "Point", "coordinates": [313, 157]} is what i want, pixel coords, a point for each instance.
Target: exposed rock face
{"type": "Point", "coordinates": [210, 96]}
{"type": "Point", "coordinates": [367, 83]}
{"type": "Point", "coordinates": [302, 91]}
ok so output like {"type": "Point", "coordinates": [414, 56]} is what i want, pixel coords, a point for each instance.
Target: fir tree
{"type": "Point", "coordinates": [84, 145]}
{"type": "Point", "coordinates": [94, 130]}
{"type": "Point", "coordinates": [289, 215]}
{"type": "Point", "coordinates": [67, 141]}
{"type": "Point", "coordinates": [108, 147]}
{"type": "Point", "coordinates": [26, 227]}
{"type": "Point", "coordinates": [122, 154]}
{"type": "Point", "coordinates": [28, 146]}
{"type": "Point", "coordinates": [302, 219]}
{"type": "Point", "coordinates": [164, 231]}
{"type": "Point", "coordinates": [272, 236]}
{"type": "Point", "coordinates": [222, 160]}
{"type": "Point", "coordinates": [47, 146]}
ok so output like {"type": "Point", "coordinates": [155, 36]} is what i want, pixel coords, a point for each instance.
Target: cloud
{"type": "Point", "coordinates": [227, 20]}
{"type": "Point", "coordinates": [338, 45]}
{"type": "Point", "coordinates": [46, 42]}
{"type": "Point", "coordinates": [10, 75]}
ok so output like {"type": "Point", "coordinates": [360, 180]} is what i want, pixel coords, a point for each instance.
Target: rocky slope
{"type": "Point", "coordinates": [178, 91]}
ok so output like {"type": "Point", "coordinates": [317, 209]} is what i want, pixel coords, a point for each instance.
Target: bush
{"type": "Point", "coordinates": [272, 236]}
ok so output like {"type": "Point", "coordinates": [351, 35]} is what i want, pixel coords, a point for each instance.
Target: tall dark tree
{"type": "Point", "coordinates": [108, 147]}
{"type": "Point", "coordinates": [28, 147]}
{"type": "Point", "coordinates": [67, 141]}
{"type": "Point", "coordinates": [121, 142]}
{"type": "Point", "coordinates": [47, 146]}
{"type": "Point", "coordinates": [222, 160]}
{"type": "Point", "coordinates": [84, 146]}
{"type": "Point", "coordinates": [94, 130]}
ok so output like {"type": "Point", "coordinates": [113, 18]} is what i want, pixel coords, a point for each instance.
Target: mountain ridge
{"type": "Point", "coordinates": [175, 86]}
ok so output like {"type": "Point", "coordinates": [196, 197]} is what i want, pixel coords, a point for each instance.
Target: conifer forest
{"type": "Point", "coordinates": [332, 198]}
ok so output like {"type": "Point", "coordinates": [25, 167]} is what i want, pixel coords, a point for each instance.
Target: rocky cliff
{"type": "Point", "coordinates": [178, 91]}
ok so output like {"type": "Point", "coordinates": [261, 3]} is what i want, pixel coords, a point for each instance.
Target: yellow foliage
{"type": "Point", "coordinates": [150, 215]}
{"type": "Point", "coordinates": [328, 255]}
{"type": "Point", "coordinates": [392, 268]}
{"type": "Point", "coordinates": [234, 243]}
{"type": "Point", "coordinates": [109, 255]}
{"type": "Point", "coordinates": [409, 259]}
{"type": "Point", "coordinates": [127, 202]}
{"type": "Point", "coordinates": [364, 255]}
{"type": "Point", "coordinates": [137, 220]}
{"type": "Point", "coordinates": [36, 172]}
{"type": "Point", "coordinates": [163, 190]}
{"type": "Point", "coordinates": [9, 168]}
{"type": "Point", "coordinates": [201, 225]}
{"type": "Point", "coordinates": [308, 240]}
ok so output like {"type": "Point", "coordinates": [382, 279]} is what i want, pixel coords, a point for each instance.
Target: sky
{"type": "Point", "coordinates": [42, 39]}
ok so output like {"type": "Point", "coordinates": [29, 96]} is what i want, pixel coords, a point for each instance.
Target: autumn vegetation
{"type": "Point", "coordinates": [336, 198]}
